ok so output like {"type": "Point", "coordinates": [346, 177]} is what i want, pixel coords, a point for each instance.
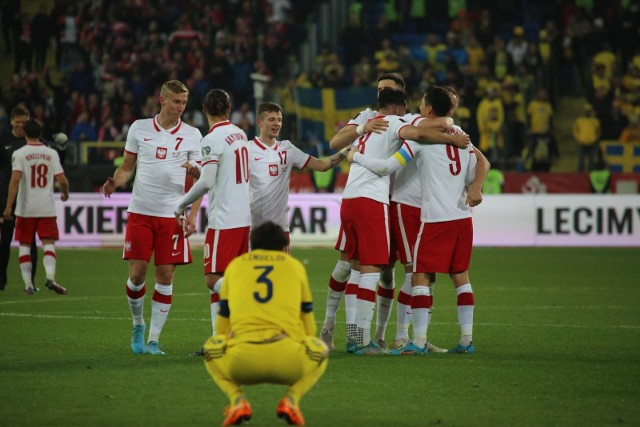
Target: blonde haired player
{"type": "Point", "coordinates": [266, 328]}
{"type": "Point", "coordinates": [34, 169]}
{"type": "Point", "coordinates": [158, 149]}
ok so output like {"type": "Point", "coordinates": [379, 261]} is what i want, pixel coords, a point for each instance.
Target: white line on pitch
{"type": "Point", "coordinates": [178, 319]}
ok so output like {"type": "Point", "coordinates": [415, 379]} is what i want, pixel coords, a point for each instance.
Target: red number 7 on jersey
{"type": "Point", "coordinates": [179, 142]}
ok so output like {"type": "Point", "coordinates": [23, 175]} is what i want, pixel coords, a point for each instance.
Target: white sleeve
{"type": "Point", "coordinates": [132, 142]}
{"type": "Point", "coordinates": [207, 180]}
{"type": "Point", "coordinates": [386, 166]}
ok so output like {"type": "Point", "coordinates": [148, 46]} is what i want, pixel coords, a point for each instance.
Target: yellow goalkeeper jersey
{"type": "Point", "coordinates": [265, 293]}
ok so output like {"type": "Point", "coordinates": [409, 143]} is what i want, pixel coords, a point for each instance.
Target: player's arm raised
{"type": "Point", "coordinates": [349, 133]}
{"type": "Point", "coordinates": [427, 133]}
{"type": "Point", "coordinates": [122, 174]}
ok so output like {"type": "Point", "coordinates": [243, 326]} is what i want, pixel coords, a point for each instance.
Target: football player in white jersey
{"type": "Point", "coordinates": [225, 176]}
{"type": "Point", "coordinates": [159, 149]}
{"type": "Point", "coordinates": [366, 195]}
{"type": "Point", "coordinates": [344, 279]}
{"type": "Point", "coordinates": [271, 165]}
{"type": "Point", "coordinates": [445, 238]}
{"type": "Point", "coordinates": [35, 167]}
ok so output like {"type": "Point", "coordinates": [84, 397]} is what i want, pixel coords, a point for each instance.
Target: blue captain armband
{"type": "Point", "coordinates": [306, 307]}
{"type": "Point", "coordinates": [223, 308]}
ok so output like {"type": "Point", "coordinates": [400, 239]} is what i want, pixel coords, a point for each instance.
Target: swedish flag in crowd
{"type": "Point", "coordinates": [622, 156]}
{"type": "Point", "coordinates": [321, 112]}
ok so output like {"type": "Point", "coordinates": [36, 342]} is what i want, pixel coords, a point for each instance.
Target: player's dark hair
{"type": "Point", "coordinates": [388, 96]}
{"type": "Point", "coordinates": [397, 78]}
{"type": "Point", "coordinates": [32, 129]}
{"type": "Point", "coordinates": [268, 235]}
{"type": "Point", "coordinates": [268, 107]}
{"type": "Point", "coordinates": [19, 110]}
{"type": "Point", "coordinates": [217, 103]}
{"type": "Point", "coordinates": [440, 100]}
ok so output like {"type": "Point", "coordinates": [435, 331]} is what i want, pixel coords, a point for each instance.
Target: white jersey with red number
{"type": "Point", "coordinates": [444, 171]}
{"type": "Point", "coordinates": [160, 179]}
{"type": "Point", "coordinates": [39, 165]}
{"type": "Point", "coordinates": [227, 146]}
{"type": "Point", "coordinates": [270, 176]}
{"type": "Point", "coordinates": [361, 181]}
{"type": "Point", "coordinates": [406, 184]}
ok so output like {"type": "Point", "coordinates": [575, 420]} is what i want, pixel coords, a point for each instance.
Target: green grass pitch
{"type": "Point", "coordinates": [556, 333]}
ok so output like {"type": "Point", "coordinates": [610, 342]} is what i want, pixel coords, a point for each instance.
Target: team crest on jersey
{"type": "Point", "coordinates": [206, 150]}
{"type": "Point", "coordinates": [161, 153]}
{"type": "Point", "coordinates": [273, 170]}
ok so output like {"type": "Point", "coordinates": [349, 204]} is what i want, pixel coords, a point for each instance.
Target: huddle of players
{"type": "Point", "coordinates": [430, 220]}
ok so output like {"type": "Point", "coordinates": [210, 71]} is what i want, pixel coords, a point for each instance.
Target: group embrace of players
{"type": "Point", "coordinates": [261, 303]}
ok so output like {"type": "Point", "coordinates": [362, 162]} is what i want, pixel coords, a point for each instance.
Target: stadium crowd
{"type": "Point", "coordinates": [509, 61]}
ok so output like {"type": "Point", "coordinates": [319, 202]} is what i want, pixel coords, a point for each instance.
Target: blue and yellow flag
{"type": "Point", "coordinates": [321, 112]}
{"type": "Point", "coordinates": [621, 156]}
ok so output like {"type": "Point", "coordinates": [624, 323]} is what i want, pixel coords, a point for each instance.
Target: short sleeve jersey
{"type": "Point", "coordinates": [266, 292]}
{"type": "Point", "coordinates": [226, 145]}
{"type": "Point", "coordinates": [39, 165]}
{"type": "Point", "coordinates": [160, 178]}
{"type": "Point", "coordinates": [444, 172]}
{"type": "Point", "coordinates": [406, 184]}
{"type": "Point", "coordinates": [361, 181]}
{"type": "Point", "coordinates": [270, 176]}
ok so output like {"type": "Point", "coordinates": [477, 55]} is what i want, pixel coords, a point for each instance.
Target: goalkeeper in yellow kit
{"type": "Point", "coordinates": [266, 328]}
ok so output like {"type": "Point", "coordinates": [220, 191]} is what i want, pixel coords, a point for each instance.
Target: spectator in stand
{"type": "Point", "coordinates": [40, 36]}
{"type": "Point", "coordinates": [631, 133]}
{"type": "Point", "coordinates": [245, 119]}
{"type": "Point", "coordinates": [517, 46]}
{"type": "Point", "coordinates": [490, 119]}
{"type": "Point", "coordinates": [83, 130]}
{"type": "Point", "coordinates": [586, 131]}
{"type": "Point", "coordinates": [23, 52]}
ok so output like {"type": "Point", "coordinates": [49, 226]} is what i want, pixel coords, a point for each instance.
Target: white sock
{"type": "Point", "coordinates": [135, 297]}
{"type": "Point", "coordinates": [218, 285]}
{"type": "Point", "coordinates": [160, 306]}
{"type": "Point", "coordinates": [403, 308]}
{"type": "Point", "coordinates": [465, 313]}
{"type": "Point", "coordinates": [49, 261]}
{"type": "Point", "coordinates": [384, 302]}
{"type": "Point", "coordinates": [420, 300]}
{"type": "Point", "coordinates": [337, 286]}
{"type": "Point", "coordinates": [432, 288]}
{"type": "Point", "coordinates": [366, 304]}
{"type": "Point", "coordinates": [350, 302]}
{"type": "Point", "coordinates": [24, 253]}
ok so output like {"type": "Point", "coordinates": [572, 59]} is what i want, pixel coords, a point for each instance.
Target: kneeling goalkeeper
{"type": "Point", "coordinates": [266, 329]}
